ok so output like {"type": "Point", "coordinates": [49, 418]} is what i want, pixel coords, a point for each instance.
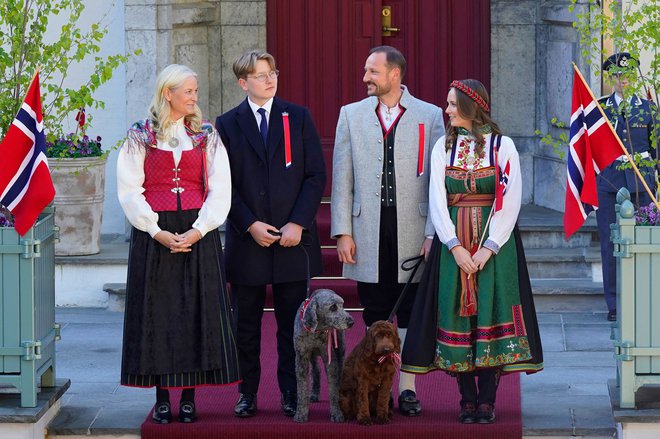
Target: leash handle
{"type": "Point", "coordinates": [405, 266]}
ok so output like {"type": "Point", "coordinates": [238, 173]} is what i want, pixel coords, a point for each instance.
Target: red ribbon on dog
{"type": "Point", "coordinates": [395, 357]}
{"type": "Point", "coordinates": [332, 333]}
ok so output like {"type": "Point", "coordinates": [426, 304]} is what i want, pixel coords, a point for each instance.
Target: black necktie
{"type": "Point", "coordinates": [263, 126]}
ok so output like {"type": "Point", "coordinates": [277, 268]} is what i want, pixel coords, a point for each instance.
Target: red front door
{"type": "Point", "coordinates": [321, 47]}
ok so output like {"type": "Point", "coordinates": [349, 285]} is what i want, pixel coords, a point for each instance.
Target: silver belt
{"type": "Point", "coordinates": [623, 158]}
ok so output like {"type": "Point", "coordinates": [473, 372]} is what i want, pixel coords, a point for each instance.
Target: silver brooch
{"type": "Point", "coordinates": [173, 142]}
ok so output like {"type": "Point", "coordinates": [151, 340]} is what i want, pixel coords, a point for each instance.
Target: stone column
{"type": "Point", "coordinates": [207, 36]}
{"type": "Point", "coordinates": [514, 78]}
{"type": "Point", "coordinates": [558, 47]}
{"type": "Point", "coordinates": [533, 45]}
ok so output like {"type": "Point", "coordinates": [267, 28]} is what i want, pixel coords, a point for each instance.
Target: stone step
{"type": "Point", "coordinates": [550, 295]}
{"type": "Point", "coordinates": [539, 227]}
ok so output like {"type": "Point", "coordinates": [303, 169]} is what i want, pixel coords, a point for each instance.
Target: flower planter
{"type": "Point", "coordinates": [27, 311]}
{"type": "Point", "coordinates": [635, 334]}
{"type": "Point", "coordinates": [79, 192]}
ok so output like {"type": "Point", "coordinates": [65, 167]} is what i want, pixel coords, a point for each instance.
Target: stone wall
{"type": "Point", "coordinates": [533, 44]}
{"type": "Point", "coordinates": [514, 77]}
{"type": "Point", "coordinates": [206, 35]}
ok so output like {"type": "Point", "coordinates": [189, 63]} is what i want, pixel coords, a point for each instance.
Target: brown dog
{"type": "Point", "coordinates": [366, 381]}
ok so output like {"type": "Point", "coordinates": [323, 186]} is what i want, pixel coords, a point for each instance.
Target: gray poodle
{"type": "Point", "coordinates": [318, 332]}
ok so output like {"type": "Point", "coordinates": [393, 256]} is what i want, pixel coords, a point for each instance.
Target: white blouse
{"type": "Point", "coordinates": [130, 180]}
{"type": "Point", "coordinates": [503, 221]}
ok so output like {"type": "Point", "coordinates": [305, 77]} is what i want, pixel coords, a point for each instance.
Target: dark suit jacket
{"type": "Point", "coordinates": [641, 125]}
{"type": "Point", "coordinates": [264, 189]}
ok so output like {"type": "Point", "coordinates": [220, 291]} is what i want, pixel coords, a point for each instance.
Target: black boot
{"type": "Point", "coordinates": [187, 411]}
{"type": "Point", "coordinates": [162, 410]}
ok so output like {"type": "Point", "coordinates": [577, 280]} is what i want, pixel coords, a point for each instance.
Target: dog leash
{"type": "Point", "coordinates": [416, 262]}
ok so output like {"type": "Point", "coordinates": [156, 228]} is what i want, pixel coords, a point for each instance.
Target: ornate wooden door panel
{"type": "Point", "coordinates": [321, 46]}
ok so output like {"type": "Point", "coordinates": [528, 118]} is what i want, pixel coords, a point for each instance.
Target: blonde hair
{"type": "Point", "coordinates": [171, 77]}
{"type": "Point", "coordinates": [247, 63]}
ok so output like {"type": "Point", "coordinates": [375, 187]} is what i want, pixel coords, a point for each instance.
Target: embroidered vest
{"type": "Point", "coordinates": [164, 182]}
{"type": "Point", "coordinates": [388, 182]}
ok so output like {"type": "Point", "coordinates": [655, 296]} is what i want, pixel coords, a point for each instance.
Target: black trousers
{"type": "Point", "coordinates": [482, 393]}
{"type": "Point", "coordinates": [378, 299]}
{"type": "Point", "coordinates": [249, 307]}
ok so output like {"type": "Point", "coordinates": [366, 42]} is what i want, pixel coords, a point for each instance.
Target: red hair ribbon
{"type": "Point", "coordinates": [471, 94]}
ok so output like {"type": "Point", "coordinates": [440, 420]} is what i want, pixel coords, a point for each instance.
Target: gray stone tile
{"type": "Point", "coordinates": [91, 388]}
{"type": "Point", "coordinates": [588, 338]}
{"type": "Point", "coordinates": [548, 317]}
{"type": "Point", "coordinates": [552, 337]}
{"type": "Point", "coordinates": [597, 318]}
{"type": "Point", "coordinates": [591, 389]}
{"type": "Point", "coordinates": [88, 315]}
{"type": "Point", "coordinates": [575, 375]}
{"type": "Point", "coordinates": [73, 420]}
{"type": "Point", "coordinates": [578, 359]}
{"type": "Point", "coordinates": [548, 414]}
{"type": "Point", "coordinates": [119, 420]}
{"type": "Point", "coordinates": [592, 414]}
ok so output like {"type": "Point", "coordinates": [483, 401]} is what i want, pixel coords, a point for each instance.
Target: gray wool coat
{"type": "Point", "coordinates": [357, 168]}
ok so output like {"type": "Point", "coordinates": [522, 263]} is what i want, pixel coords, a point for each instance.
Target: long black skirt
{"type": "Point", "coordinates": [419, 350]}
{"type": "Point", "coordinates": [178, 327]}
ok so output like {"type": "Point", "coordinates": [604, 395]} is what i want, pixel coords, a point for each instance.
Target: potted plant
{"type": "Point", "coordinates": [77, 165]}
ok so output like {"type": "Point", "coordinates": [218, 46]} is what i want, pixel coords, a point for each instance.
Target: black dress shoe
{"type": "Point", "coordinates": [611, 315]}
{"type": "Point", "coordinates": [246, 405]}
{"type": "Point", "coordinates": [485, 414]}
{"type": "Point", "coordinates": [409, 405]}
{"type": "Point", "coordinates": [468, 413]}
{"type": "Point", "coordinates": [289, 402]}
{"type": "Point", "coordinates": [162, 413]}
{"type": "Point", "coordinates": [187, 412]}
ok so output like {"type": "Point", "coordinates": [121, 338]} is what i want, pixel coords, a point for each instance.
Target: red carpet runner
{"type": "Point", "coordinates": [437, 391]}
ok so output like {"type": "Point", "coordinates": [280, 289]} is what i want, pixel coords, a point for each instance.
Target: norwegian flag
{"type": "Point", "coordinates": [500, 190]}
{"type": "Point", "coordinates": [593, 146]}
{"type": "Point", "coordinates": [502, 177]}
{"type": "Point", "coordinates": [25, 183]}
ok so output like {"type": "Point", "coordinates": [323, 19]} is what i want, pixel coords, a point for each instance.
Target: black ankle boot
{"type": "Point", "coordinates": [162, 413]}
{"type": "Point", "coordinates": [187, 412]}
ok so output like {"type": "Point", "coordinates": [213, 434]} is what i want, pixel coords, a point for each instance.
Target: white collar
{"type": "Point", "coordinates": [267, 106]}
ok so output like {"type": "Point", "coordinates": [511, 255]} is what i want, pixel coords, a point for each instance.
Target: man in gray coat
{"type": "Point", "coordinates": [380, 193]}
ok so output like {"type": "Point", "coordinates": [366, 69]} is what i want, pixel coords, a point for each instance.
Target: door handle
{"type": "Point", "coordinates": [386, 22]}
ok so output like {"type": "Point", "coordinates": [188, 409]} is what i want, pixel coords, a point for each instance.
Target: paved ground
{"type": "Point", "coordinates": [569, 398]}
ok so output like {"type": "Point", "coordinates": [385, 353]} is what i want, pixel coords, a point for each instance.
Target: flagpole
{"type": "Point", "coordinates": [623, 148]}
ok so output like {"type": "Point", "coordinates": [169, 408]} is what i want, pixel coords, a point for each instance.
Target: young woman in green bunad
{"type": "Point", "coordinates": [474, 313]}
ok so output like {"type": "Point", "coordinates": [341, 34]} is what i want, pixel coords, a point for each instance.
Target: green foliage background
{"type": "Point", "coordinates": [23, 25]}
{"type": "Point", "coordinates": [634, 27]}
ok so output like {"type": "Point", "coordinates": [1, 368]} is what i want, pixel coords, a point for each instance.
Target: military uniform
{"type": "Point", "coordinates": [633, 122]}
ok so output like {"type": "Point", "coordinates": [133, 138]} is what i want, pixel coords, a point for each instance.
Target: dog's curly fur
{"type": "Point", "coordinates": [364, 392]}
{"type": "Point", "coordinates": [323, 312]}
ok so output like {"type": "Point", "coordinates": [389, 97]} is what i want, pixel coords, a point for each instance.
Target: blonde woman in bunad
{"type": "Point", "coordinates": [175, 188]}
{"type": "Point", "coordinates": [474, 313]}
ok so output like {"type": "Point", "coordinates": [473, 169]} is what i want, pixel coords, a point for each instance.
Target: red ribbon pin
{"type": "Point", "coordinates": [287, 140]}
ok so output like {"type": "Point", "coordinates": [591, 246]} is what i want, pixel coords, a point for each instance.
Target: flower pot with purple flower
{"type": "Point", "coordinates": [77, 165]}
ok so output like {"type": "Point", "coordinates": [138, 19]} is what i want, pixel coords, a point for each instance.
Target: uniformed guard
{"type": "Point", "coordinates": [634, 119]}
